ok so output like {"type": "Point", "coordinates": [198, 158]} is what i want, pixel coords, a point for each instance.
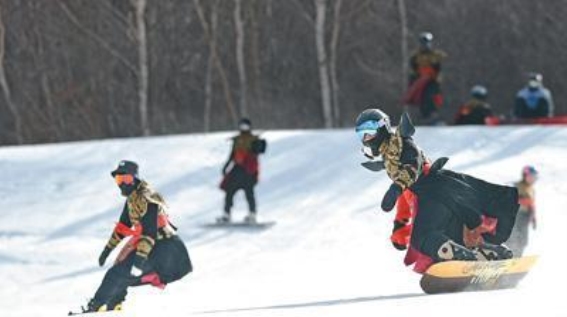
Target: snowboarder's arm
{"type": "Point", "coordinates": [230, 159]}
{"type": "Point", "coordinates": [409, 166]}
{"type": "Point", "coordinates": [116, 236]}
{"type": "Point", "coordinates": [391, 196]}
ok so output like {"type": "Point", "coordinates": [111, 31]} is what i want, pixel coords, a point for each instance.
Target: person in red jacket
{"type": "Point", "coordinates": [154, 254]}
{"type": "Point", "coordinates": [424, 90]}
{"type": "Point", "coordinates": [241, 170]}
{"type": "Point", "coordinates": [527, 214]}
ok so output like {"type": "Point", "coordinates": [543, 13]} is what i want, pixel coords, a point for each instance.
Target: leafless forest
{"type": "Point", "coordinates": [84, 69]}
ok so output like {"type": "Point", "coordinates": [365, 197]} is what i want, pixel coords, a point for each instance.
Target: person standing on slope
{"type": "Point", "coordinates": [534, 101]}
{"type": "Point", "coordinates": [241, 170]}
{"type": "Point", "coordinates": [476, 110]}
{"type": "Point", "coordinates": [527, 214]}
{"type": "Point", "coordinates": [424, 90]}
{"type": "Point", "coordinates": [442, 215]}
{"type": "Point", "coordinates": [154, 255]}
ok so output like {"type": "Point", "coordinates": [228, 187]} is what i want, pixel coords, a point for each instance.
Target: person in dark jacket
{"type": "Point", "coordinates": [154, 254]}
{"type": "Point", "coordinates": [453, 216]}
{"type": "Point", "coordinates": [241, 170]}
{"type": "Point", "coordinates": [476, 110]}
{"type": "Point", "coordinates": [534, 101]}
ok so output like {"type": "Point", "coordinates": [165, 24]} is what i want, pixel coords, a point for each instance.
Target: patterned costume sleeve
{"type": "Point", "coordinates": [116, 237]}
{"type": "Point", "coordinates": [402, 159]}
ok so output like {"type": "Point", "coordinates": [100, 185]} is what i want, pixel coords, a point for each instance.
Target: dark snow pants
{"type": "Point", "coordinates": [449, 201]}
{"type": "Point", "coordinates": [239, 179]}
{"type": "Point", "coordinates": [169, 259]}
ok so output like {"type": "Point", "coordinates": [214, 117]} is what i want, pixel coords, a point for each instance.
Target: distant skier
{"type": "Point", "coordinates": [476, 110]}
{"type": "Point", "coordinates": [442, 215]}
{"type": "Point", "coordinates": [424, 89]}
{"type": "Point", "coordinates": [527, 215]}
{"type": "Point", "coordinates": [534, 101]}
{"type": "Point", "coordinates": [241, 170]}
{"type": "Point", "coordinates": [154, 255]}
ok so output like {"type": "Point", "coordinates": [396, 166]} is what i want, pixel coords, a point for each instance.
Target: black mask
{"type": "Point", "coordinates": [126, 190]}
{"type": "Point", "coordinates": [374, 143]}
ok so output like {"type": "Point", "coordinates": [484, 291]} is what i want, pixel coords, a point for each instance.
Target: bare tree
{"type": "Point", "coordinates": [334, 45]}
{"type": "Point", "coordinates": [210, 65]}
{"type": "Point", "coordinates": [240, 62]}
{"type": "Point", "coordinates": [101, 41]}
{"type": "Point", "coordinates": [218, 64]}
{"type": "Point", "coordinates": [77, 69]}
{"type": "Point", "coordinates": [6, 87]}
{"type": "Point", "coordinates": [320, 16]}
{"type": "Point", "coordinates": [254, 9]}
{"type": "Point", "coordinates": [403, 44]}
{"type": "Point", "coordinates": [144, 69]}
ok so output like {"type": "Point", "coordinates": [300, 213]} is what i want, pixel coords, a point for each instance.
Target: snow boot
{"type": "Point", "coordinates": [451, 251]}
{"type": "Point", "coordinates": [95, 306]}
{"type": "Point", "coordinates": [250, 218]}
{"type": "Point", "coordinates": [225, 218]}
{"type": "Point", "coordinates": [492, 252]}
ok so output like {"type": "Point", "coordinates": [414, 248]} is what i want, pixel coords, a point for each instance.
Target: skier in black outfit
{"type": "Point", "coordinates": [455, 216]}
{"type": "Point", "coordinates": [154, 254]}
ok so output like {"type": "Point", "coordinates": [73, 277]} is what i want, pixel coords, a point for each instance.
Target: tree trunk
{"type": "Point", "coordinates": [6, 87]}
{"type": "Point", "coordinates": [404, 45]}
{"type": "Point", "coordinates": [218, 64]}
{"type": "Point", "coordinates": [240, 62]}
{"type": "Point", "coordinates": [210, 65]}
{"type": "Point", "coordinates": [333, 62]}
{"type": "Point", "coordinates": [321, 8]}
{"type": "Point", "coordinates": [143, 79]}
{"type": "Point", "coordinates": [255, 55]}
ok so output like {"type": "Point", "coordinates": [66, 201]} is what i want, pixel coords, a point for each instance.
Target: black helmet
{"type": "Point", "coordinates": [479, 92]}
{"type": "Point", "coordinates": [126, 167]}
{"type": "Point", "coordinates": [373, 127]}
{"type": "Point", "coordinates": [372, 114]}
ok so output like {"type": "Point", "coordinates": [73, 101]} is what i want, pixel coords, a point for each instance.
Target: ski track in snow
{"type": "Point", "coordinates": [328, 255]}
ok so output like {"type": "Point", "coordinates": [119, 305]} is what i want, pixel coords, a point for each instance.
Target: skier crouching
{"type": "Point", "coordinates": [154, 255]}
{"type": "Point", "coordinates": [442, 215]}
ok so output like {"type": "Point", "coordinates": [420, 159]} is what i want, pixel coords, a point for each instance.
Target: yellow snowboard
{"type": "Point", "coordinates": [459, 276]}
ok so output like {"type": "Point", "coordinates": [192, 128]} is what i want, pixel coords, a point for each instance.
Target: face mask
{"type": "Point", "coordinates": [127, 189]}
{"type": "Point", "coordinates": [244, 127]}
{"type": "Point", "coordinates": [533, 84]}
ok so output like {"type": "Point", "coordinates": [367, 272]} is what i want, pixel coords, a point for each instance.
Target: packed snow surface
{"type": "Point", "coordinates": [328, 255]}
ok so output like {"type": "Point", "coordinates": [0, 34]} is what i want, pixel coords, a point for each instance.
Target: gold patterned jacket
{"type": "Point", "coordinates": [426, 63]}
{"type": "Point", "coordinates": [403, 159]}
{"type": "Point", "coordinates": [145, 218]}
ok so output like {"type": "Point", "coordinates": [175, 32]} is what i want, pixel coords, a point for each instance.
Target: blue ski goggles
{"type": "Point", "coordinates": [368, 129]}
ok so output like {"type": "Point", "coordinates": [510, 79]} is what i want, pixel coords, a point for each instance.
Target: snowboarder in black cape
{"type": "Point", "coordinates": [454, 216]}
{"type": "Point", "coordinates": [154, 254]}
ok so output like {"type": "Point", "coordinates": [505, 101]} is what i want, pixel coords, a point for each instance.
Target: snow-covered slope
{"type": "Point", "coordinates": [328, 254]}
